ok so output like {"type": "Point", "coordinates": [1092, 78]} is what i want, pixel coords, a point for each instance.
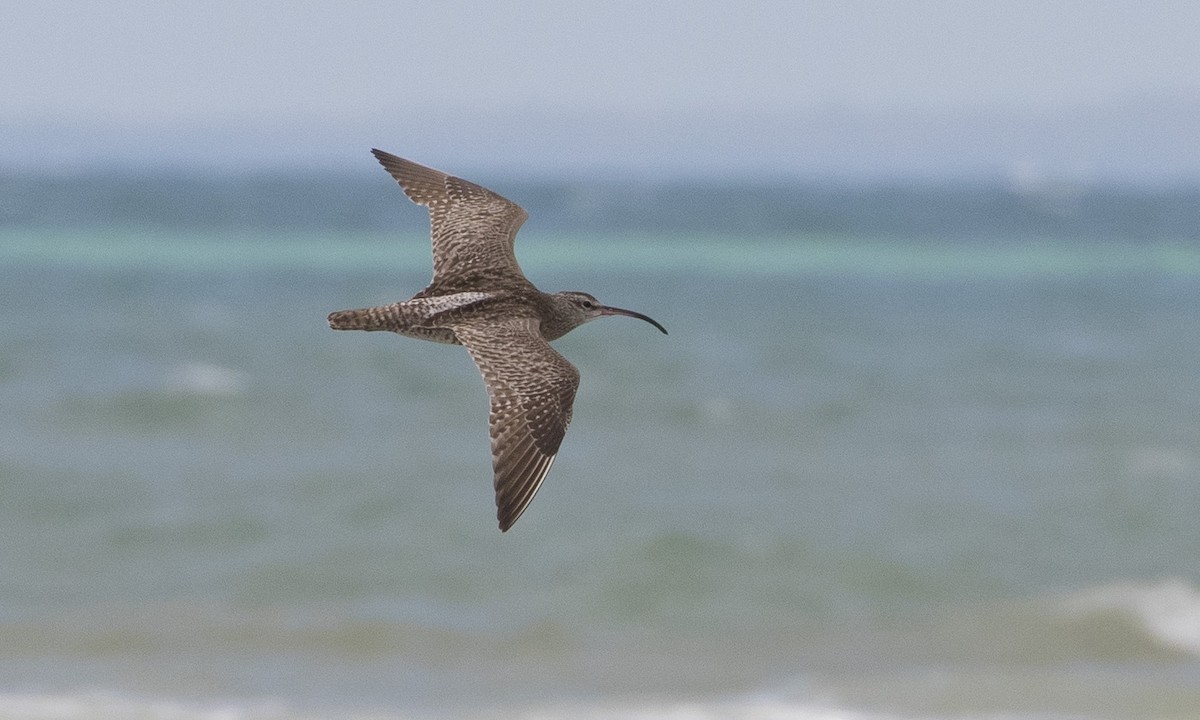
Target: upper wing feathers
{"type": "Point", "coordinates": [473, 228]}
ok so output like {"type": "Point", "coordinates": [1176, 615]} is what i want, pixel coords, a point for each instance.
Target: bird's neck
{"type": "Point", "coordinates": [558, 316]}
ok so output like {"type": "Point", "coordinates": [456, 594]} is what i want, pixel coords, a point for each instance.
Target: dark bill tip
{"type": "Point", "coordinates": [629, 313]}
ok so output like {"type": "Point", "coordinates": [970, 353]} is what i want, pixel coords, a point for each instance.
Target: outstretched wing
{"type": "Point", "coordinates": [473, 228]}
{"type": "Point", "coordinates": [532, 389]}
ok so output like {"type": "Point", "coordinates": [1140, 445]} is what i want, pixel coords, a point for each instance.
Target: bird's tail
{"type": "Point", "coordinates": [376, 318]}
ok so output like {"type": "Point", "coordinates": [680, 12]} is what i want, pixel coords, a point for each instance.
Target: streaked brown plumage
{"type": "Point", "coordinates": [479, 298]}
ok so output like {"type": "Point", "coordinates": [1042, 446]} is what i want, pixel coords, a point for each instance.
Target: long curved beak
{"type": "Point", "coordinates": [607, 310]}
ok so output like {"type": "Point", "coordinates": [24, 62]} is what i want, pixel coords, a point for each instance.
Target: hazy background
{"type": "Point", "coordinates": [922, 442]}
{"type": "Point", "coordinates": [1018, 91]}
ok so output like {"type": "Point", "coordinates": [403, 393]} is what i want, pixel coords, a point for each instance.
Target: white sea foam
{"type": "Point", "coordinates": [96, 705]}
{"type": "Point", "coordinates": [1160, 462]}
{"type": "Point", "coordinates": [746, 710]}
{"type": "Point", "coordinates": [1168, 610]}
{"type": "Point", "coordinates": [205, 379]}
{"type": "Point", "coordinates": [99, 705]}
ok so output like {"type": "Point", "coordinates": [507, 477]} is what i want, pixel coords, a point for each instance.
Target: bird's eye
{"type": "Point", "coordinates": [588, 305]}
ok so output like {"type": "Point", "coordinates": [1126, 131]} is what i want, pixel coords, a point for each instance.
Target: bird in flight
{"type": "Point", "coordinates": [480, 299]}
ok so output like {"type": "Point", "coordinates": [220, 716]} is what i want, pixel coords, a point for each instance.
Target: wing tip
{"type": "Point", "coordinates": [508, 511]}
{"type": "Point", "coordinates": [506, 517]}
{"type": "Point", "coordinates": [385, 158]}
{"type": "Point", "coordinates": [506, 520]}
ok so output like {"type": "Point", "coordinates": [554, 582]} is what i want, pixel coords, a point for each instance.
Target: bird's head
{"type": "Point", "coordinates": [579, 307]}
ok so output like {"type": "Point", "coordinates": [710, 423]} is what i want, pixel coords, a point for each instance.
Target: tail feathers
{"type": "Point", "coordinates": [362, 319]}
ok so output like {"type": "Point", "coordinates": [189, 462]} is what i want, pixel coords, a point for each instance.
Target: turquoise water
{"type": "Point", "coordinates": [638, 254]}
{"type": "Point", "coordinates": [863, 477]}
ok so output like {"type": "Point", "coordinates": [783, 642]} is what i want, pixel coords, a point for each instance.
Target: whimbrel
{"type": "Point", "coordinates": [479, 298]}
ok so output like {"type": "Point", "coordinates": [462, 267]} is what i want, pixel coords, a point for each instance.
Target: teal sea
{"type": "Point", "coordinates": [885, 467]}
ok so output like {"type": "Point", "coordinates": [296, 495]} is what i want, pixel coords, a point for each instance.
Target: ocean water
{"type": "Point", "coordinates": [864, 478]}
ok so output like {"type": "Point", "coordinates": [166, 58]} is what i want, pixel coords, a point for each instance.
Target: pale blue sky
{"type": "Point", "coordinates": [674, 75]}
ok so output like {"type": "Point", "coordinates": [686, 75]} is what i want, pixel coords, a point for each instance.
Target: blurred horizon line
{"type": "Point", "coordinates": [1133, 141]}
{"type": "Point", "coordinates": [367, 200]}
